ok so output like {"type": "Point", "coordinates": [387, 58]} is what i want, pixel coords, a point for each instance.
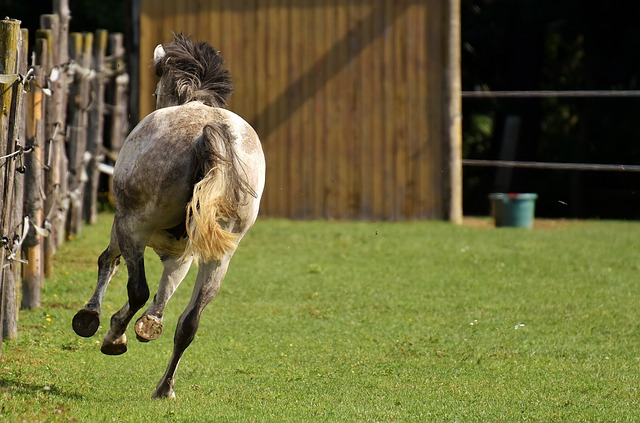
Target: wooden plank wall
{"type": "Point", "coordinates": [347, 97]}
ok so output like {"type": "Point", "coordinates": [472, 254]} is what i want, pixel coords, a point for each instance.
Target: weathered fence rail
{"type": "Point", "coordinates": [52, 141]}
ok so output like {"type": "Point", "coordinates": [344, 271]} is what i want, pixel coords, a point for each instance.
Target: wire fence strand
{"type": "Point", "coordinates": [546, 165]}
{"type": "Point", "coordinates": [552, 94]}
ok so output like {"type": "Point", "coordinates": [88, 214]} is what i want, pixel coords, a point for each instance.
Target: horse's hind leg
{"type": "Point", "coordinates": [149, 326]}
{"type": "Point", "coordinates": [208, 282]}
{"type": "Point", "coordinates": [87, 320]}
{"type": "Point", "coordinates": [132, 245]}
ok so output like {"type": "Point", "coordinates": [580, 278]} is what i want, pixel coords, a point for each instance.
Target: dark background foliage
{"type": "Point", "coordinates": [554, 45]}
{"type": "Point", "coordinates": [86, 15]}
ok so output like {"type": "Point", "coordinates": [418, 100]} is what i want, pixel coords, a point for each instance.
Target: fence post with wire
{"type": "Point", "coordinates": [51, 148]}
{"type": "Point", "coordinates": [11, 42]}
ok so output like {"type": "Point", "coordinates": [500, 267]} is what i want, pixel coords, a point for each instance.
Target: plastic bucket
{"type": "Point", "coordinates": [513, 210]}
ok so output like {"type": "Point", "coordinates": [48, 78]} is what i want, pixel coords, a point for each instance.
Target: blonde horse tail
{"type": "Point", "coordinates": [212, 210]}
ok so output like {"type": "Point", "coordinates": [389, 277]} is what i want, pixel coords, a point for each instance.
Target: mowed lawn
{"type": "Point", "coordinates": [357, 322]}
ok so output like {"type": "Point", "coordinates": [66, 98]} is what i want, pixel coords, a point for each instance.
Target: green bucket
{"type": "Point", "coordinates": [513, 210]}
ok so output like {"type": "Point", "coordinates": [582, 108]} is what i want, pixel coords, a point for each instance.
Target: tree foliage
{"type": "Point", "coordinates": [555, 45]}
{"type": "Point", "coordinates": [86, 15]}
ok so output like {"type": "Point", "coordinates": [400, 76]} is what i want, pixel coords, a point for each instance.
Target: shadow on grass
{"type": "Point", "coordinates": [16, 387]}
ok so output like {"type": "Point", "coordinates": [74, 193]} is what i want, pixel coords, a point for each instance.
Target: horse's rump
{"type": "Point", "coordinates": [212, 211]}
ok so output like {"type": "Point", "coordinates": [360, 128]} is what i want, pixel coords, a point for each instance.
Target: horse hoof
{"type": "Point", "coordinates": [157, 395]}
{"type": "Point", "coordinates": [113, 349]}
{"type": "Point", "coordinates": [164, 390]}
{"type": "Point", "coordinates": [148, 328]}
{"type": "Point", "coordinates": [86, 322]}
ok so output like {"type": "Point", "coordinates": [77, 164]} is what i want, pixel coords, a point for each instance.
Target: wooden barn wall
{"type": "Point", "coordinates": [345, 95]}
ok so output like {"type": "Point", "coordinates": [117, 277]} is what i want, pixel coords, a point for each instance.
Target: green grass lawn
{"type": "Point", "coordinates": [355, 322]}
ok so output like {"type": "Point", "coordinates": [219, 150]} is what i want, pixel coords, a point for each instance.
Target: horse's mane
{"type": "Point", "coordinates": [194, 71]}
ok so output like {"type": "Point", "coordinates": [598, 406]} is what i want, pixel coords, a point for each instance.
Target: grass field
{"type": "Point", "coordinates": [358, 322]}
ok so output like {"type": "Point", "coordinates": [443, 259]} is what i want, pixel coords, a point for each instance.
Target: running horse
{"type": "Point", "coordinates": [187, 183]}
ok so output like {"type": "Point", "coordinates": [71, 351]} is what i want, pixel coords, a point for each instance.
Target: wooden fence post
{"type": "Point", "coordinates": [119, 126]}
{"type": "Point", "coordinates": [18, 190]}
{"type": "Point", "coordinates": [10, 45]}
{"type": "Point", "coordinates": [96, 127]}
{"type": "Point", "coordinates": [10, 30]}
{"type": "Point", "coordinates": [56, 202]}
{"type": "Point", "coordinates": [61, 9]}
{"type": "Point", "coordinates": [79, 95]}
{"type": "Point", "coordinates": [33, 276]}
{"type": "Point", "coordinates": [55, 132]}
{"type": "Point", "coordinates": [453, 114]}
{"type": "Point", "coordinates": [10, 325]}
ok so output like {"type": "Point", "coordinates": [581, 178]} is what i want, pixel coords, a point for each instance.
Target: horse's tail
{"type": "Point", "coordinates": [213, 208]}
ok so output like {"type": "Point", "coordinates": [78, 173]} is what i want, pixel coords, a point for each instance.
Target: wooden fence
{"type": "Point", "coordinates": [56, 116]}
{"type": "Point", "coordinates": [356, 101]}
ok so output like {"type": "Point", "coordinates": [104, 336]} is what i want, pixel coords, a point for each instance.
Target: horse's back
{"type": "Point", "coordinates": [156, 167]}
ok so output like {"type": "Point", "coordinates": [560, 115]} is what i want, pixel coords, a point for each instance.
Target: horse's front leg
{"type": "Point", "coordinates": [87, 320]}
{"type": "Point", "coordinates": [149, 326]}
{"type": "Point", "coordinates": [115, 341]}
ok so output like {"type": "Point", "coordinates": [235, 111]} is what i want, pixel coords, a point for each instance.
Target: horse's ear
{"type": "Point", "coordinates": [158, 54]}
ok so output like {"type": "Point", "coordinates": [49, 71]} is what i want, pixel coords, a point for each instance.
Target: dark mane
{"type": "Point", "coordinates": [194, 71]}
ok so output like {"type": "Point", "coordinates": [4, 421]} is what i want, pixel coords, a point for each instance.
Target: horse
{"type": "Point", "coordinates": [187, 183]}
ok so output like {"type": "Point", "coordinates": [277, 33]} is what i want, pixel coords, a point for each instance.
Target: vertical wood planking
{"type": "Point", "coordinates": [248, 89]}
{"type": "Point", "coordinates": [180, 19]}
{"type": "Point", "coordinates": [316, 103]}
{"type": "Point", "coordinates": [343, 102]}
{"type": "Point", "coordinates": [190, 11]}
{"type": "Point", "coordinates": [308, 149]}
{"type": "Point", "coordinates": [346, 96]}
{"type": "Point", "coordinates": [411, 99]}
{"type": "Point", "coordinates": [213, 29]}
{"type": "Point", "coordinates": [205, 23]}
{"type": "Point", "coordinates": [279, 58]}
{"type": "Point", "coordinates": [172, 18]}
{"type": "Point", "coordinates": [435, 78]}
{"type": "Point", "coordinates": [297, 130]}
{"type": "Point", "coordinates": [390, 136]}
{"type": "Point", "coordinates": [226, 35]}
{"type": "Point", "coordinates": [247, 16]}
{"type": "Point", "coordinates": [377, 122]}
{"type": "Point", "coordinates": [353, 126]}
{"type": "Point", "coordinates": [269, 113]}
{"type": "Point", "coordinates": [365, 92]}
{"type": "Point", "coordinates": [277, 135]}
{"type": "Point", "coordinates": [420, 118]}
{"type": "Point", "coordinates": [332, 140]}
{"type": "Point", "coordinates": [400, 113]}
{"type": "Point", "coordinates": [231, 45]}
{"type": "Point", "coordinates": [201, 24]}
{"type": "Point", "coordinates": [272, 188]}
{"type": "Point", "coordinates": [305, 145]}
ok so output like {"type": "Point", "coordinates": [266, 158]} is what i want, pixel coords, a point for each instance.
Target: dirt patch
{"type": "Point", "coordinates": [487, 222]}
